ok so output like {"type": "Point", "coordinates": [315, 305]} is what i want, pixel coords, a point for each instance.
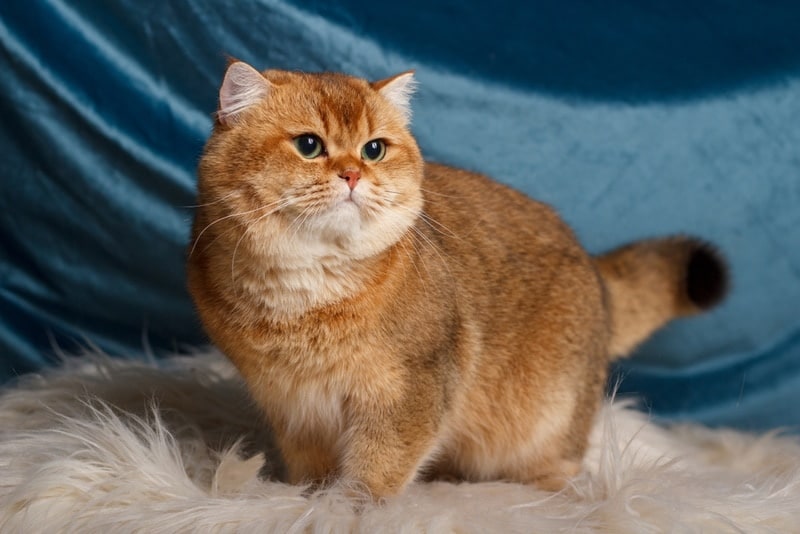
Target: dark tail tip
{"type": "Point", "coordinates": [707, 278]}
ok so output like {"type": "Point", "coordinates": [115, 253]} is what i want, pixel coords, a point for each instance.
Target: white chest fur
{"type": "Point", "coordinates": [316, 411]}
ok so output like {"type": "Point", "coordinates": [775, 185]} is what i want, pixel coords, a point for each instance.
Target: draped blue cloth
{"type": "Point", "coordinates": [633, 119]}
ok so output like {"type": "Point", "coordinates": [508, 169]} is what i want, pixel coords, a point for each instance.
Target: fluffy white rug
{"type": "Point", "coordinates": [103, 445]}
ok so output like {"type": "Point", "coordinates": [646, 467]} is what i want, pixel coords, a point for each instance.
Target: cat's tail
{"type": "Point", "coordinates": [653, 281]}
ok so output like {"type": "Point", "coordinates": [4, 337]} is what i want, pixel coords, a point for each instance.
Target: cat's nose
{"type": "Point", "coordinates": [352, 176]}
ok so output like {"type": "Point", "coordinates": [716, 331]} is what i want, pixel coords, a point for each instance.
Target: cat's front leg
{"type": "Point", "coordinates": [384, 447]}
{"type": "Point", "coordinates": [308, 450]}
{"type": "Point", "coordinates": [308, 462]}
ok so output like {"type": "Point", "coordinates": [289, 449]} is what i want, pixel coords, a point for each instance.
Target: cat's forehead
{"type": "Point", "coordinates": [329, 103]}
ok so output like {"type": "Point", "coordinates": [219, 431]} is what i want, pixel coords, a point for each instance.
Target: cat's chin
{"type": "Point", "coordinates": [352, 228]}
{"type": "Point", "coordinates": [342, 218]}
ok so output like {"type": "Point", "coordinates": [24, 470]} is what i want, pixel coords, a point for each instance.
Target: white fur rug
{"type": "Point", "coordinates": [103, 445]}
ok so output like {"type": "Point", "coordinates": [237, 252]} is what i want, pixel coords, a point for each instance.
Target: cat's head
{"type": "Point", "coordinates": [313, 163]}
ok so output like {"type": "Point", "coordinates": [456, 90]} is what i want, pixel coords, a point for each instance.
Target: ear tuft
{"type": "Point", "coordinates": [398, 90]}
{"type": "Point", "coordinates": [242, 87]}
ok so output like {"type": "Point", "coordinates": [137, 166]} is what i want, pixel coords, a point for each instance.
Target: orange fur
{"type": "Point", "coordinates": [422, 320]}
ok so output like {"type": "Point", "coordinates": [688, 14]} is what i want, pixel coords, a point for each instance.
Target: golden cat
{"type": "Point", "coordinates": [395, 318]}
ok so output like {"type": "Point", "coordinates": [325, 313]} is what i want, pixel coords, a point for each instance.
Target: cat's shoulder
{"type": "Point", "coordinates": [454, 184]}
{"type": "Point", "coordinates": [444, 173]}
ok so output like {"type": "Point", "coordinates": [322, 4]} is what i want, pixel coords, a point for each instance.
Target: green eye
{"type": "Point", "coordinates": [374, 150]}
{"type": "Point", "coordinates": [310, 146]}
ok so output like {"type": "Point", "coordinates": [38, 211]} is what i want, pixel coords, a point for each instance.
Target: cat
{"type": "Point", "coordinates": [397, 319]}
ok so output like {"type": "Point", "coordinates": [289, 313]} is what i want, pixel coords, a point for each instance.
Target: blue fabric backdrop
{"type": "Point", "coordinates": [634, 120]}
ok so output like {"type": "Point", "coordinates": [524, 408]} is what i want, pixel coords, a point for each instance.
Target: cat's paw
{"type": "Point", "coordinates": [557, 477]}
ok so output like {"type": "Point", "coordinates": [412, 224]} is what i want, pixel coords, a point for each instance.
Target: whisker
{"type": "Point", "coordinates": [412, 259]}
{"type": "Point", "coordinates": [436, 193]}
{"type": "Point", "coordinates": [247, 228]}
{"type": "Point", "coordinates": [418, 245]}
{"type": "Point", "coordinates": [446, 259]}
{"type": "Point", "coordinates": [229, 195]}
{"type": "Point", "coordinates": [431, 222]}
{"type": "Point", "coordinates": [305, 213]}
{"type": "Point", "coordinates": [219, 235]}
{"type": "Point", "coordinates": [238, 214]}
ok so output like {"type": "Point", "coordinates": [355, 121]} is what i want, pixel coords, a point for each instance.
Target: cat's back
{"type": "Point", "coordinates": [467, 207]}
{"type": "Point", "coordinates": [508, 255]}
{"type": "Point", "coordinates": [512, 258]}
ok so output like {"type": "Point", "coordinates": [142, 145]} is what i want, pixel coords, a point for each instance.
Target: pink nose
{"type": "Point", "coordinates": [351, 176]}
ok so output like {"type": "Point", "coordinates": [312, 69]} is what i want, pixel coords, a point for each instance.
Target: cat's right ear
{"type": "Point", "coordinates": [242, 87]}
{"type": "Point", "coordinates": [398, 90]}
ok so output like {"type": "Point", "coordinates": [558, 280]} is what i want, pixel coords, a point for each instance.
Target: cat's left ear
{"type": "Point", "coordinates": [242, 87]}
{"type": "Point", "coordinates": [398, 90]}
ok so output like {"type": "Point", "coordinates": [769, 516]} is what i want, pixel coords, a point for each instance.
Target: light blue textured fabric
{"type": "Point", "coordinates": [635, 120]}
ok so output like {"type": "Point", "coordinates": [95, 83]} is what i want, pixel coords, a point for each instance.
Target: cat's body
{"type": "Point", "coordinates": [395, 318]}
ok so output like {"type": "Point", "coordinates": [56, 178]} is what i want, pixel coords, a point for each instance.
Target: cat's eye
{"type": "Point", "coordinates": [310, 146]}
{"type": "Point", "coordinates": [374, 150]}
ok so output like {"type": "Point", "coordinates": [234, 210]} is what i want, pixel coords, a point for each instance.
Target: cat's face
{"type": "Point", "coordinates": [313, 164]}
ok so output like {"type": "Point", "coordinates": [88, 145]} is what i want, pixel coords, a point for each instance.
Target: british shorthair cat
{"type": "Point", "coordinates": [397, 319]}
